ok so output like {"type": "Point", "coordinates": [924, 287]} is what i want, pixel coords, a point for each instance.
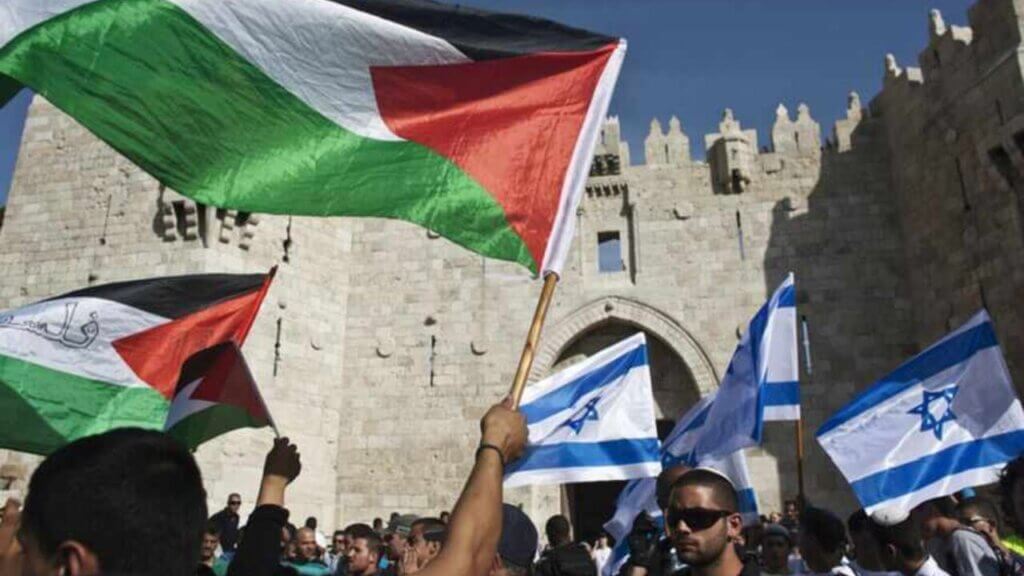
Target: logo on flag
{"type": "Point", "coordinates": [593, 421]}
{"type": "Point", "coordinates": [945, 420]}
{"type": "Point", "coordinates": [761, 382]}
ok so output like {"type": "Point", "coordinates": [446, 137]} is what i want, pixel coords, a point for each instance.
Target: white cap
{"type": "Point", "coordinates": [890, 516]}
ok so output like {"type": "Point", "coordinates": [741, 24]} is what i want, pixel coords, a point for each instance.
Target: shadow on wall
{"type": "Point", "coordinates": [843, 244]}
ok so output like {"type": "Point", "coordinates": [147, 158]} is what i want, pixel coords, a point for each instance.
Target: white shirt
{"type": "Point", "coordinates": [930, 568]}
{"type": "Point", "coordinates": [600, 556]}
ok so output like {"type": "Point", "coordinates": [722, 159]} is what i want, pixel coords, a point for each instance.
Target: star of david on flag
{"type": "Point", "coordinates": [945, 420]}
{"type": "Point", "coordinates": [591, 422]}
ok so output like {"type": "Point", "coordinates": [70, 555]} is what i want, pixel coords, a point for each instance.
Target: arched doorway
{"type": "Point", "coordinates": [590, 505]}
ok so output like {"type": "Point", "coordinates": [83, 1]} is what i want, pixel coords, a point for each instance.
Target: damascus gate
{"type": "Point", "coordinates": [381, 344]}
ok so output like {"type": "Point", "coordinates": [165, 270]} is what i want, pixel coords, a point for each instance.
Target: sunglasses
{"type": "Point", "coordinates": [696, 519]}
{"type": "Point", "coordinates": [235, 503]}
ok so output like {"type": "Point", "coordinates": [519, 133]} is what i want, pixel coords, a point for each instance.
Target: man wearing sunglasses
{"type": "Point", "coordinates": [226, 522]}
{"type": "Point", "coordinates": [704, 525]}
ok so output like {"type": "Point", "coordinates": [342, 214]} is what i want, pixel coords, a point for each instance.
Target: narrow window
{"type": "Point", "coordinates": [609, 252]}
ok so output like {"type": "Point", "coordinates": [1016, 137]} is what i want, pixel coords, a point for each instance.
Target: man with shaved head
{"type": "Point", "coordinates": [307, 560]}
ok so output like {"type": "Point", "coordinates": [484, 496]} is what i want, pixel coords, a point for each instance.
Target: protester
{"type": "Point", "coordinates": [901, 544]}
{"type": "Point", "coordinates": [776, 546]}
{"type": "Point", "coordinates": [364, 551]}
{"type": "Point", "coordinates": [867, 558]}
{"type": "Point", "coordinates": [790, 515]}
{"type": "Point", "coordinates": [517, 546]}
{"type": "Point", "coordinates": [306, 561]}
{"type": "Point", "coordinates": [336, 552]}
{"type": "Point", "coordinates": [650, 550]}
{"type": "Point", "coordinates": [823, 542]}
{"type": "Point", "coordinates": [226, 521]}
{"type": "Point", "coordinates": [563, 556]}
{"type": "Point", "coordinates": [426, 538]}
{"type": "Point", "coordinates": [704, 524]}
{"type": "Point", "coordinates": [128, 501]}
{"type": "Point", "coordinates": [208, 559]}
{"type": "Point", "coordinates": [601, 552]}
{"type": "Point", "coordinates": [982, 515]}
{"type": "Point", "coordinates": [475, 527]}
{"type": "Point", "coordinates": [321, 538]}
{"type": "Point", "coordinates": [959, 550]}
{"type": "Point", "coordinates": [1011, 484]}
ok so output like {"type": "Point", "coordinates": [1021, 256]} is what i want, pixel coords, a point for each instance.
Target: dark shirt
{"type": "Point", "coordinates": [226, 522]}
{"type": "Point", "coordinates": [566, 560]}
{"type": "Point", "coordinates": [259, 554]}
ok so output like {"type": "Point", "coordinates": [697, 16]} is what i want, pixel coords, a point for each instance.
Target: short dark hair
{"type": "Point", "coordinates": [212, 529]}
{"type": "Point", "coordinates": [434, 529]}
{"type": "Point", "coordinates": [311, 522]}
{"type": "Point", "coordinates": [356, 531]}
{"type": "Point", "coordinates": [905, 537]}
{"type": "Point", "coordinates": [557, 529]}
{"type": "Point", "coordinates": [825, 527]}
{"type": "Point", "coordinates": [857, 522]}
{"type": "Point", "coordinates": [337, 533]}
{"type": "Point", "coordinates": [133, 497]}
{"type": "Point", "coordinates": [721, 488]}
{"type": "Point", "coordinates": [943, 506]}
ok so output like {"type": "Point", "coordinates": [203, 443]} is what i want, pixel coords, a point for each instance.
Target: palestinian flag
{"type": "Point", "coordinates": [111, 356]}
{"type": "Point", "coordinates": [476, 125]}
{"type": "Point", "coordinates": [216, 393]}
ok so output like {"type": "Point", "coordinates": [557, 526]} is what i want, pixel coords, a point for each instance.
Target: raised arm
{"type": "Point", "coordinates": [475, 525]}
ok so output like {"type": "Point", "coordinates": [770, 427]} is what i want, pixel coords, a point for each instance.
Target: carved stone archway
{"type": "Point", "coordinates": [559, 336]}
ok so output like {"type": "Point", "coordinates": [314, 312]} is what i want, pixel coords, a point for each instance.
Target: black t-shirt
{"type": "Point", "coordinates": [227, 524]}
{"type": "Point", "coordinates": [566, 560]}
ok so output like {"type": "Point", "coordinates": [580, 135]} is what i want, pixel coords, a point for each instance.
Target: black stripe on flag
{"type": "Point", "coordinates": [174, 296]}
{"type": "Point", "coordinates": [483, 35]}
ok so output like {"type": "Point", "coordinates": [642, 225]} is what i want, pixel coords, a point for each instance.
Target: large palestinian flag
{"type": "Point", "coordinates": [476, 125]}
{"type": "Point", "coordinates": [112, 355]}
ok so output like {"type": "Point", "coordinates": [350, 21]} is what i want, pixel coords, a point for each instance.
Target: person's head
{"type": "Point", "coordinates": [363, 550]}
{"type": "Point", "coordinates": [305, 544]}
{"type": "Point", "coordinates": [518, 544]}
{"type": "Point", "coordinates": [211, 539]}
{"type": "Point", "coordinates": [790, 510]}
{"type": "Point", "coordinates": [311, 523]}
{"type": "Point", "coordinates": [378, 523]}
{"type": "Point", "coordinates": [776, 545]}
{"type": "Point", "coordinates": [426, 537]}
{"type": "Point", "coordinates": [445, 516]}
{"type": "Point", "coordinates": [602, 540]}
{"type": "Point", "coordinates": [1011, 484]}
{"type": "Point", "coordinates": [865, 546]}
{"type": "Point", "coordinates": [899, 539]}
{"type": "Point", "coordinates": [127, 501]}
{"type": "Point", "coordinates": [982, 515]}
{"type": "Point", "coordinates": [937, 517]}
{"type": "Point", "coordinates": [702, 518]}
{"type": "Point", "coordinates": [288, 536]}
{"type": "Point", "coordinates": [558, 530]}
{"type": "Point", "coordinates": [234, 503]}
{"type": "Point", "coordinates": [664, 484]}
{"type": "Point", "coordinates": [822, 539]}
{"type": "Point", "coordinates": [339, 542]}
{"type": "Point", "coordinates": [774, 518]}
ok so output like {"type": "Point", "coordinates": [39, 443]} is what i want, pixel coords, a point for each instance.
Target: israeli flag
{"type": "Point", "coordinates": [761, 382]}
{"type": "Point", "coordinates": [591, 422]}
{"type": "Point", "coordinates": [945, 420]}
{"type": "Point", "coordinates": [678, 448]}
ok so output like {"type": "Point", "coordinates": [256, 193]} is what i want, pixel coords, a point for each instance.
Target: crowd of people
{"type": "Point", "coordinates": [131, 502]}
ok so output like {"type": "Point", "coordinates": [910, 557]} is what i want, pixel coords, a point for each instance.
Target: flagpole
{"type": "Point", "coordinates": [800, 459]}
{"type": "Point", "coordinates": [532, 337]}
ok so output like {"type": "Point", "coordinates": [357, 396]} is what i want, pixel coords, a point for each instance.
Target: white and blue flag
{"type": "Point", "coordinates": [678, 448]}
{"type": "Point", "coordinates": [591, 422]}
{"type": "Point", "coordinates": [761, 382]}
{"type": "Point", "coordinates": [945, 420]}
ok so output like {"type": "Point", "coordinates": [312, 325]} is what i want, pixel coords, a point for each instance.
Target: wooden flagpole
{"type": "Point", "coordinates": [532, 337]}
{"type": "Point", "coordinates": [800, 460]}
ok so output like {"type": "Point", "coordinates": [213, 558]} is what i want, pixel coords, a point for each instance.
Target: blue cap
{"type": "Point", "coordinates": [518, 544]}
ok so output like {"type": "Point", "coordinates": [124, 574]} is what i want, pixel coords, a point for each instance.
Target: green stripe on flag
{"type": "Point", "coordinates": [211, 422]}
{"type": "Point", "coordinates": [164, 91]}
{"type": "Point", "coordinates": [43, 409]}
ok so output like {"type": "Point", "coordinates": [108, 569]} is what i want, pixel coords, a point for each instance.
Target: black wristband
{"type": "Point", "coordinates": [485, 446]}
